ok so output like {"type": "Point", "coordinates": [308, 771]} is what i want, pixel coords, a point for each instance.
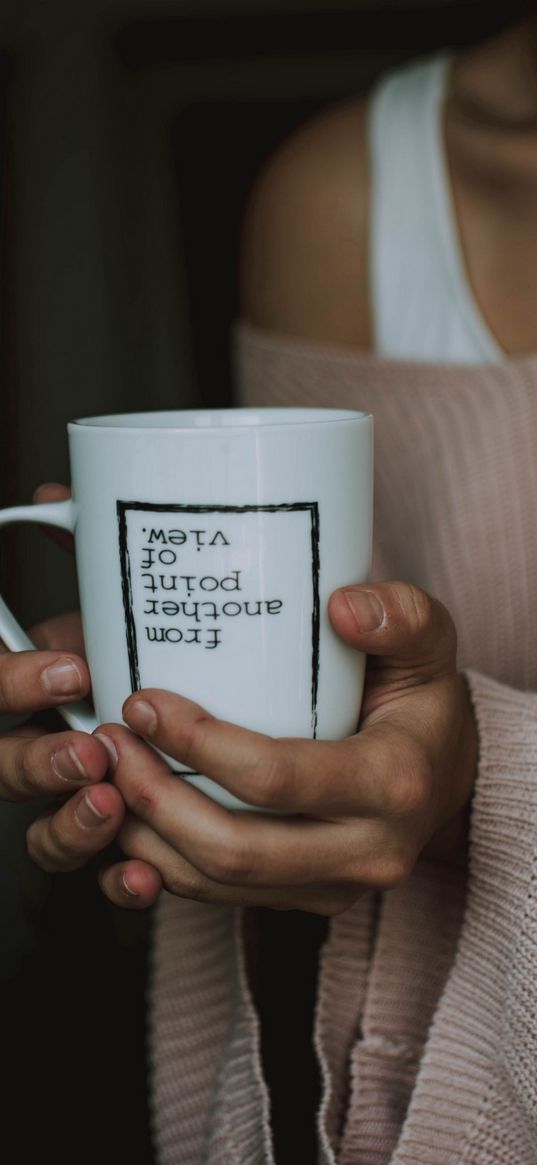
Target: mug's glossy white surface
{"type": "Point", "coordinates": [207, 546]}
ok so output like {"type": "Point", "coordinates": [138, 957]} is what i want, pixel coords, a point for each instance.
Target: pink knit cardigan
{"type": "Point", "coordinates": [426, 1017]}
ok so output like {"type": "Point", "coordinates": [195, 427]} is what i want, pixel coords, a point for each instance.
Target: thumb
{"type": "Point", "coordinates": [396, 620]}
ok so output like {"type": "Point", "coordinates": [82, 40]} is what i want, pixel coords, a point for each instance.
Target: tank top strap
{"type": "Point", "coordinates": [423, 307]}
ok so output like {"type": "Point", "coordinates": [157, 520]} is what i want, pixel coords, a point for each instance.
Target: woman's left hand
{"type": "Point", "coordinates": [361, 810]}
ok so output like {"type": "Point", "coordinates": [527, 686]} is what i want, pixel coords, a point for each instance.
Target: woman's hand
{"type": "Point", "coordinates": [361, 810]}
{"type": "Point", "coordinates": [65, 765]}
{"type": "Point", "coordinates": [69, 765]}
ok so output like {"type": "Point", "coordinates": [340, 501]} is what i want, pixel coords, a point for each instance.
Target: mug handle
{"type": "Point", "coordinates": [62, 515]}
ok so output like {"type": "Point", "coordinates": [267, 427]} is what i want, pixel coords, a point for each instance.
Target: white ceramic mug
{"type": "Point", "coordinates": [207, 545]}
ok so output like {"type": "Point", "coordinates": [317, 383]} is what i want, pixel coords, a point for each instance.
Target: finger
{"type": "Point", "coordinates": [62, 633]}
{"type": "Point", "coordinates": [318, 778]}
{"type": "Point", "coordinates": [183, 880]}
{"type": "Point", "coordinates": [36, 764]}
{"type": "Point", "coordinates": [33, 680]}
{"type": "Point", "coordinates": [237, 848]}
{"type": "Point", "coordinates": [134, 885]}
{"type": "Point", "coordinates": [78, 831]}
{"type": "Point", "coordinates": [51, 491]}
{"type": "Point", "coordinates": [54, 492]}
{"type": "Point", "coordinates": [396, 620]}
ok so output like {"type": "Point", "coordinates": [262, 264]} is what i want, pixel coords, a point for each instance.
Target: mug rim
{"type": "Point", "coordinates": [218, 420]}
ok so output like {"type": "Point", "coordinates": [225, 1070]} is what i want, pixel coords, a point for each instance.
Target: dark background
{"type": "Point", "coordinates": [129, 137]}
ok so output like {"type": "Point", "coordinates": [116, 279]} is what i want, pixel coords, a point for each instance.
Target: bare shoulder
{"type": "Point", "coordinates": [303, 268]}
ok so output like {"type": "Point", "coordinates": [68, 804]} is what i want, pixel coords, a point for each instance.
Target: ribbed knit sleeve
{"type": "Point", "coordinates": [475, 1099]}
{"type": "Point", "coordinates": [209, 1102]}
{"type": "Point", "coordinates": [504, 874]}
{"type": "Point", "coordinates": [442, 1070]}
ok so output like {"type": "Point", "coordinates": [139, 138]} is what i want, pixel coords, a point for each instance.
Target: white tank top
{"type": "Point", "coordinates": [423, 306]}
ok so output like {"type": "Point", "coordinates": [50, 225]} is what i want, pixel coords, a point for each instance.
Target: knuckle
{"type": "Point", "coordinates": [193, 738]}
{"type": "Point", "coordinates": [194, 888]}
{"type": "Point", "coordinates": [36, 849]}
{"type": "Point", "coordinates": [269, 778]}
{"type": "Point", "coordinates": [141, 799]}
{"type": "Point", "coordinates": [60, 846]}
{"type": "Point", "coordinates": [392, 869]}
{"type": "Point", "coordinates": [9, 667]}
{"type": "Point", "coordinates": [410, 789]}
{"type": "Point", "coordinates": [229, 862]}
{"type": "Point", "coordinates": [40, 859]}
{"type": "Point", "coordinates": [422, 614]}
{"type": "Point", "coordinates": [410, 793]}
{"type": "Point", "coordinates": [417, 609]}
{"type": "Point", "coordinates": [24, 783]}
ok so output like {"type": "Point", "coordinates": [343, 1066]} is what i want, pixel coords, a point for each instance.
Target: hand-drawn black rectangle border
{"type": "Point", "coordinates": [166, 508]}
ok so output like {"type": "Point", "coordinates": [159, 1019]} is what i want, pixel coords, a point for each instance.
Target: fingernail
{"type": "Point", "coordinates": [127, 889]}
{"type": "Point", "coordinates": [87, 814]}
{"type": "Point", "coordinates": [141, 716]}
{"type": "Point", "coordinates": [67, 765]}
{"type": "Point", "coordinates": [62, 678]}
{"type": "Point", "coordinates": [110, 747]}
{"type": "Point", "coordinates": [366, 608]}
